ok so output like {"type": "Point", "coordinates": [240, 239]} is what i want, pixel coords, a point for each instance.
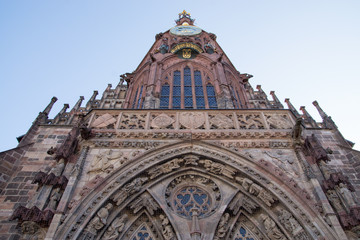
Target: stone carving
{"type": "Point", "coordinates": [68, 147]}
{"type": "Point", "coordinates": [315, 150]}
{"type": "Point", "coordinates": [116, 227]}
{"type": "Point", "coordinates": [54, 198]}
{"type": "Point", "coordinates": [162, 121]}
{"type": "Point", "coordinates": [129, 189]}
{"type": "Point", "coordinates": [221, 121]}
{"type": "Point", "coordinates": [32, 231]}
{"type": "Point", "coordinates": [145, 201]}
{"type": "Point", "coordinates": [104, 121]}
{"type": "Point", "coordinates": [192, 120]}
{"type": "Point", "coordinates": [100, 220]}
{"type": "Point", "coordinates": [346, 195]}
{"type": "Point", "coordinates": [58, 168]}
{"type": "Point", "coordinates": [256, 190]}
{"type": "Point", "coordinates": [289, 222]}
{"type": "Point", "coordinates": [132, 121]}
{"type": "Point", "coordinates": [277, 121]}
{"type": "Point", "coordinates": [272, 231]}
{"type": "Point", "coordinates": [223, 227]}
{"type": "Point", "coordinates": [85, 131]}
{"type": "Point", "coordinates": [191, 160]}
{"type": "Point", "coordinates": [42, 178]}
{"type": "Point", "coordinates": [218, 168]}
{"type": "Point", "coordinates": [102, 162]}
{"type": "Point", "coordinates": [165, 168]}
{"type": "Point", "coordinates": [167, 230]}
{"type": "Point", "coordinates": [34, 214]}
{"type": "Point", "coordinates": [335, 201]}
{"type": "Point", "coordinates": [250, 121]}
{"type": "Point", "coordinates": [241, 201]}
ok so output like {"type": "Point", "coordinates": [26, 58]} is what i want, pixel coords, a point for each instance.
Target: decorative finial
{"type": "Point", "coordinates": [184, 14]}
{"type": "Point", "coordinates": [185, 18]}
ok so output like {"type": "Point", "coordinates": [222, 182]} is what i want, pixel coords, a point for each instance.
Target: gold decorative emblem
{"type": "Point", "coordinates": [186, 53]}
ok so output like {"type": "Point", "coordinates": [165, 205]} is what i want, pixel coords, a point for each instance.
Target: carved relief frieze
{"type": "Point", "coordinates": [132, 121]}
{"type": "Point", "coordinates": [221, 121]}
{"type": "Point", "coordinates": [192, 120]}
{"type": "Point", "coordinates": [129, 189]}
{"type": "Point", "coordinates": [104, 121]}
{"type": "Point", "coordinates": [162, 121]}
{"type": "Point", "coordinates": [278, 121]}
{"type": "Point", "coordinates": [238, 145]}
{"type": "Point", "coordinates": [254, 189]}
{"type": "Point", "coordinates": [250, 121]}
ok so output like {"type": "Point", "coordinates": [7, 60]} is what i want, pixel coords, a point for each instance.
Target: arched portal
{"type": "Point", "coordinates": [193, 189]}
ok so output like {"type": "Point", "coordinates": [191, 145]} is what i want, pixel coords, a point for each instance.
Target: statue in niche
{"type": "Point", "coordinates": [223, 227]}
{"type": "Point", "coordinates": [272, 231]}
{"type": "Point", "coordinates": [57, 170]}
{"type": "Point", "coordinates": [99, 221]}
{"type": "Point", "coordinates": [167, 231]}
{"type": "Point", "coordinates": [54, 198]}
{"type": "Point", "coordinates": [324, 169]}
{"type": "Point", "coordinates": [102, 162]}
{"type": "Point", "coordinates": [346, 195]}
{"type": "Point", "coordinates": [335, 200]}
{"type": "Point", "coordinates": [116, 227]}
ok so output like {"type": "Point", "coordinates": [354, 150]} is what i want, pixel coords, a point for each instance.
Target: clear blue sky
{"type": "Point", "coordinates": [304, 50]}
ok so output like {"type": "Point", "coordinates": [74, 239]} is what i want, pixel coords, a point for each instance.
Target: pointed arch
{"type": "Point", "coordinates": [228, 169]}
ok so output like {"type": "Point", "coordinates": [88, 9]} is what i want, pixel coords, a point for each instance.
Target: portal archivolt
{"type": "Point", "coordinates": [188, 191]}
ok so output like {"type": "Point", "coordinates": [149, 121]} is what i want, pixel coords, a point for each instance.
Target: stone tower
{"type": "Point", "coordinates": [182, 148]}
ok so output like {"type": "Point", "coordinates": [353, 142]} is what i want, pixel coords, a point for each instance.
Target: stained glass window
{"type": "Point", "coordinates": [142, 234]}
{"type": "Point", "coordinates": [211, 96]}
{"type": "Point", "coordinates": [134, 102]}
{"type": "Point", "coordinates": [164, 97]}
{"type": "Point", "coordinates": [242, 234]}
{"type": "Point", "coordinates": [199, 92]}
{"type": "Point", "coordinates": [176, 90]}
{"type": "Point", "coordinates": [189, 198]}
{"type": "Point", "coordinates": [188, 100]}
{"type": "Point", "coordinates": [139, 100]}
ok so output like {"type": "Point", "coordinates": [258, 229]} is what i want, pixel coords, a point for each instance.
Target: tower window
{"type": "Point", "coordinates": [164, 97]}
{"type": "Point", "coordinates": [176, 90]}
{"type": "Point", "coordinates": [185, 84]}
{"type": "Point", "coordinates": [211, 96]}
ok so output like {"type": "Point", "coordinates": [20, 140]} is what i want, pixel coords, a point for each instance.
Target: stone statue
{"type": "Point", "coordinates": [272, 231]}
{"type": "Point", "coordinates": [218, 168]}
{"type": "Point", "coordinates": [57, 170]}
{"type": "Point", "coordinates": [289, 222]}
{"type": "Point", "coordinates": [335, 200]}
{"type": "Point", "coordinates": [116, 227]}
{"type": "Point", "coordinates": [165, 168]}
{"type": "Point", "coordinates": [223, 226]}
{"type": "Point", "coordinates": [99, 221]}
{"type": "Point", "coordinates": [167, 231]}
{"type": "Point", "coordinates": [346, 195]}
{"type": "Point", "coordinates": [54, 199]}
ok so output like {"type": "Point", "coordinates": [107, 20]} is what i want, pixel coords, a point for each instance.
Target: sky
{"type": "Point", "coordinates": [303, 50]}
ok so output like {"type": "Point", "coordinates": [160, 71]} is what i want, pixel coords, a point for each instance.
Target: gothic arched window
{"type": "Point", "coordinates": [176, 99]}
{"type": "Point", "coordinates": [188, 91]}
{"type": "Point", "coordinates": [134, 102]}
{"type": "Point", "coordinates": [211, 96]}
{"type": "Point", "coordinates": [139, 100]}
{"type": "Point", "coordinates": [164, 96]}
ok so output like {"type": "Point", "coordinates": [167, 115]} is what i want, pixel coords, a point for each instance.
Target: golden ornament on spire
{"type": "Point", "coordinates": [184, 14]}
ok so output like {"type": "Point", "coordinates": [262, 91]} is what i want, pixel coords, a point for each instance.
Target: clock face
{"type": "Point", "coordinates": [185, 30]}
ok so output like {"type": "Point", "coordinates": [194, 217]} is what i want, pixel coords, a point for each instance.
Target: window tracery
{"type": "Point", "coordinates": [188, 90]}
{"type": "Point", "coordinates": [243, 234]}
{"type": "Point", "coordinates": [142, 233]}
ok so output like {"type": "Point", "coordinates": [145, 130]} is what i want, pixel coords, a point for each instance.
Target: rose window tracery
{"type": "Point", "coordinates": [189, 198]}
{"type": "Point", "coordinates": [189, 193]}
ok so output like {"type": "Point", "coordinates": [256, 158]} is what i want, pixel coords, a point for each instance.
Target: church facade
{"type": "Point", "coordinates": [182, 148]}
